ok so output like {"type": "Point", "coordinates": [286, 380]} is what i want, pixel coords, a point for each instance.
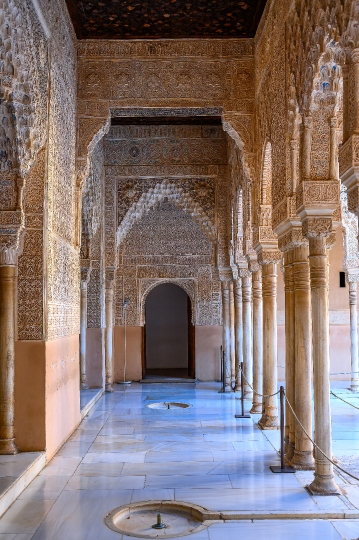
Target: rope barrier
{"type": "Point", "coordinates": [255, 391]}
{"type": "Point", "coordinates": [347, 402]}
{"type": "Point", "coordinates": [316, 446]}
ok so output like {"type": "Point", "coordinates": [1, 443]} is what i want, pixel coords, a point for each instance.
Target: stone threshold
{"type": "Point", "coordinates": [16, 473]}
{"type": "Point", "coordinates": [88, 398]}
{"type": "Point", "coordinates": [280, 514]}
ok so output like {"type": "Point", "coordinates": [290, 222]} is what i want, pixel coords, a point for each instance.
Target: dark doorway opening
{"type": "Point", "coordinates": [168, 339]}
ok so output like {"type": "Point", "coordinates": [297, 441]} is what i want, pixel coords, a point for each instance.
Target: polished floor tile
{"type": "Point", "coordinates": [274, 530]}
{"type": "Point", "coordinates": [124, 452]}
{"type": "Point", "coordinates": [24, 516]}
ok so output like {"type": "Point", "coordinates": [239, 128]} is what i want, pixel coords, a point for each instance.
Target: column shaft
{"type": "Point", "coordinates": [303, 452]}
{"type": "Point", "coordinates": [289, 351]}
{"type": "Point", "coordinates": [226, 325]}
{"type": "Point", "coordinates": [247, 335]}
{"type": "Point", "coordinates": [323, 482]}
{"type": "Point", "coordinates": [83, 330]}
{"type": "Point", "coordinates": [269, 418]}
{"type": "Point", "coordinates": [232, 335]}
{"type": "Point", "coordinates": [353, 336]}
{"type": "Point", "coordinates": [8, 279]}
{"type": "Point", "coordinates": [109, 339]}
{"type": "Point", "coordinates": [257, 407]}
{"type": "Point", "coordinates": [238, 331]}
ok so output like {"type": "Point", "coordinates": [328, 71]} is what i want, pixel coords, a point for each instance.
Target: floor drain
{"type": "Point", "coordinates": [168, 405]}
{"type": "Point", "coordinates": [157, 519]}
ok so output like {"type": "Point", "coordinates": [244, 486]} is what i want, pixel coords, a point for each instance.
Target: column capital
{"type": "Point", "coordinates": [11, 229]}
{"type": "Point", "coordinates": [352, 276]}
{"type": "Point", "coordinates": [86, 268]}
{"type": "Point", "coordinates": [269, 256]}
{"type": "Point", "coordinates": [225, 273]}
{"type": "Point", "coordinates": [110, 277]}
{"type": "Point", "coordinates": [291, 239]}
{"type": "Point", "coordinates": [314, 227]}
{"type": "Point", "coordinates": [308, 120]}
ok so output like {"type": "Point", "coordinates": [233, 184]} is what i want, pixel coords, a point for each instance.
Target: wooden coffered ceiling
{"type": "Point", "coordinates": [156, 19]}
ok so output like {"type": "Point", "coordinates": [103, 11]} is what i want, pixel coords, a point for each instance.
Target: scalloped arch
{"type": "Point", "coordinates": [176, 195]}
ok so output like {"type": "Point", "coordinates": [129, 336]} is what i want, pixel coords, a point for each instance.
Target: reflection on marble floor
{"type": "Point", "coordinates": [125, 452]}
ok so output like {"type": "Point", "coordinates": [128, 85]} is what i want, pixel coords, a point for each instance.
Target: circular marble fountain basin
{"type": "Point", "coordinates": [168, 405]}
{"type": "Point", "coordinates": [181, 519]}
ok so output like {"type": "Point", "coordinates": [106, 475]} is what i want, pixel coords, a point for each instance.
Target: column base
{"type": "Point", "coordinates": [8, 447]}
{"type": "Point", "coordinates": [257, 408]}
{"type": "Point", "coordinates": [238, 388]}
{"type": "Point", "coordinates": [248, 395]}
{"type": "Point", "coordinates": [323, 485]}
{"type": "Point", "coordinates": [108, 387]}
{"type": "Point", "coordinates": [302, 460]}
{"type": "Point", "coordinates": [227, 390]}
{"type": "Point", "coordinates": [268, 422]}
{"type": "Point", "coordinates": [354, 385]}
{"type": "Point", "coordinates": [84, 386]}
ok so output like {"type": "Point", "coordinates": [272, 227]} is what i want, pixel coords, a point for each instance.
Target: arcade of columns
{"type": "Point", "coordinates": [284, 204]}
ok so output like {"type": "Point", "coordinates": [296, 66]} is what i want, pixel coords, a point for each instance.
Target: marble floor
{"type": "Point", "coordinates": [125, 452]}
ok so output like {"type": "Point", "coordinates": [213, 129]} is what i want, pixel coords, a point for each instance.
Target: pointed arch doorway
{"type": "Point", "coordinates": [168, 341]}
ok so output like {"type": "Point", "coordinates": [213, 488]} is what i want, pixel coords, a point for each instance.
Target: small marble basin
{"type": "Point", "coordinates": [180, 519]}
{"type": "Point", "coordinates": [168, 405]}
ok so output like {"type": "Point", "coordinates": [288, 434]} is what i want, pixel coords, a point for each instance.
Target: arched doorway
{"type": "Point", "coordinates": [168, 333]}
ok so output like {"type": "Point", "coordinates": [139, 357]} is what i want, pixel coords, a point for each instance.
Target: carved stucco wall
{"type": "Point", "coordinates": [163, 187]}
{"type": "Point", "coordinates": [164, 73]}
{"type": "Point", "coordinates": [93, 237]}
{"type": "Point", "coordinates": [51, 245]}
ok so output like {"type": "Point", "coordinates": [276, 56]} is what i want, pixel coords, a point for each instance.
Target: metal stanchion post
{"type": "Point", "coordinates": [282, 468]}
{"type": "Point", "coordinates": [243, 415]}
{"type": "Point", "coordinates": [223, 391]}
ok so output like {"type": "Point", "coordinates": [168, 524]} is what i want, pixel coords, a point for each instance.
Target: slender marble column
{"type": "Point", "coordinates": [232, 335]}
{"type": "Point", "coordinates": [238, 331]}
{"type": "Point", "coordinates": [289, 352]}
{"type": "Point", "coordinates": [354, 386]}
{"type": "Point", "coordinates": [85, 278]}
{"type": "Point", "coordinates": [83, 330]}
{"type": "Point", "coordinates": [269, 418]}
{"type": "Point", "coordinates": [226, 324]}
{"type": "Point", "coordinates": [247, 333]}
{"type": "Point", "coordinates": [8, 282]}
{"type": "Point", "coordinates": [257, 407]}
{"type": "Point", "coordinates": [303, 452]}
{"type": "Point", "coordinates": [323, 483]}
{"type": "Point", "coordinates": [109, 333]}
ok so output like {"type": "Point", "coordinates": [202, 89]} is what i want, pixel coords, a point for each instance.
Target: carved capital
{"type": "Point", "coordinates": [110, 277]}
{"type": "Point", "coordinates": [86, 267]}
{"type": "Point", "coordinates": [225, 273]}
{"type": "Point", "coordinates": [317, 227]}
{"type": "Point", "coordinates": [291, 239]}
{"type": "Point", "coordinates": [244, 273]}
{"type": "Point", "coordinates": [269, 256]}
{"type": "Point", "coordinates": [11, 236]}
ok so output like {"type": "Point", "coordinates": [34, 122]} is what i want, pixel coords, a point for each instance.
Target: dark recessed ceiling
{"type": "Point", "coordinates": [155, 19]}
{"type": "Point", "coordinates": [172, 121]}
